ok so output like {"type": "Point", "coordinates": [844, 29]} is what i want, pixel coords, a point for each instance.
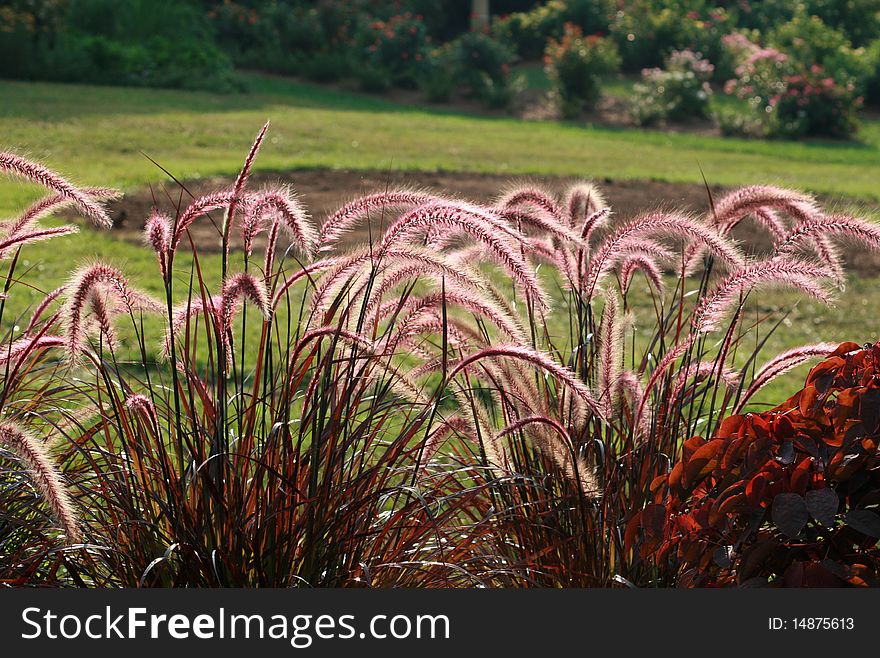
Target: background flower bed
{"type": "Point", "coordinates": [407, 43]}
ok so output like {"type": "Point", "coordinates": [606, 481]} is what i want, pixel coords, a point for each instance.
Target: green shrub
{"type": "Point", "coordinates": [528, 32]}
{"type": "Point", "coordinates": [438, 75]}
{"type": "Point", "coordinates": [680, 91]}
{"type": "Point", "coordinates": [871, 86]}
{"type": "Point", "coordinates": [734, 122]}
{"type": "Point", "coordinates": [859, 20]}
{"type": "Point", "coordinates": [809, 41]}
{"type": "Point", "coordinates": [327, 66]}
{"type": "Point", "coordinates": [574, 65]}
{"type": "Point", "coordinates": [160, 44]}
{"type": "Point", "coordinates": [645, 35]}
{"type": "Point", "coordinates": [443, 20]}
{"type": "Point", "coordinates": [396, 48]}
{"type": "Point", "coordinates": [647, 31]}
{"type": "Point", "coordinates": [482, 66]}
{"type": "Point", "coordinates": [372, 78]}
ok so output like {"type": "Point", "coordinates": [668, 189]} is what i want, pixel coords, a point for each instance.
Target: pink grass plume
{"type": "Point", "coordinates": [45, 474]}
{"type": "Point", "coordinates": [17, 166]}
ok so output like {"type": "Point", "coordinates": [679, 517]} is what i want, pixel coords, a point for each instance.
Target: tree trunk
{"type": "Point", "coordinates": [479, 15]}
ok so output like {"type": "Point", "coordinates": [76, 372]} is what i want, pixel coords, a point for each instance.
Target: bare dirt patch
{"type": "Point", "coordinates": [323, 191]}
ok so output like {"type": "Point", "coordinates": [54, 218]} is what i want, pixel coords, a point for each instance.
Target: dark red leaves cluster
{"type": "Point", "coordinates": [787, 497]}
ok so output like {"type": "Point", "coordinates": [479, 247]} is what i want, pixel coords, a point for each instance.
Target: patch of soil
{"type": "Point", "coordinates": [324, 191]}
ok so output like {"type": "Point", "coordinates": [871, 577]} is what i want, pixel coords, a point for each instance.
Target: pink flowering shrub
{"type": "Point", "coordinates": [681, 90]}
{"type": "Point", "coordinates": [788, 99]}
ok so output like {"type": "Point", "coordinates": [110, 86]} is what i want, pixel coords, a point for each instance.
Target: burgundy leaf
{"type": "Point", "coordinates": [790, 513]}
{"type": "Point", "coordinates": [865, 521]}
{"type": "Point", "coordinates": [823, 504]}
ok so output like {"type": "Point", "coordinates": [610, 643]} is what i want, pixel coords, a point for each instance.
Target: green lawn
{"type": "Point", "coordinates": [96, 136]}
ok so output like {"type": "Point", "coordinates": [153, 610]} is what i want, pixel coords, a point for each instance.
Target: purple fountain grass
{"type": "Point", "coordinates": [583, 200]}
{"type": "Point", "coordinates": [653, 224]}
{"type": "Point", "coordinates": [102, 314]}
{"type": "Point", "coordinates": [632, 393]}
{"type": "Point", "coordinates": [781, 270]}
{"type": "Point", "coordinates": [713, 307]}
{"type": "Point", "coordinates": [456, 425]}
{"type": "Point", "coordinates": [592, 222]}
{"type": "Point", "coordinates": [639, 262]}
{"type": "Point", "coordinates": [375, 354]}
{"type": "Point", "coordinates": [45, 475]}
{"type": "Point", "coordinates": [242, 178]}
{"type": "Point", "coordinates": [760, 202]}
{"type": "Point", "coordinates": [545, 223]}
{"type": "Point", "coordinates": [157, 233]}
{"type": "Point", "coordinates": [562, 452]}
{"type": "Point", "coordinates": [696, 373]}
{"type": "Point", "coordinates": [181, 314]}
{"type": "Point", "coordinates": [221, 310]}
{"type": "Point", "coordinates": [51, 204]}
{"type": "Point", "coordinates": [303, 273]}
{"type": "Point", "coordinates": [395, 263]}
{"type": "Point", "coordinates": [527, 195]}
{"type": "Point", "coordinates": [35, 173]}
{"type": "Point", "coordinates": [144, 406]}
{"type": "Point", "coordinates": [457, 218]}
{"type": "Point", "coordinates": [237, 196]}
{"type": "Point", "coordinates": [198, 208]}
{"type": "Point", "coordinates": [285, 211]}
{"type": "Point", "coordinates": [538, 248]}
{"type": "Point", "coordinates": [782, 363]}
{"type": "Point", "coordinates": [842, 226]}
{"type": "Point", "coordinates": [410, 264]}
{"type": "Point", "coordinates": [465, 299]}
{"type": "Point", "coordinates": [610, 351]}
{"type": "Point", "coordinates": [339, 273]}
{"type": "Point", "coordinates": [539, 360]}
{"type": "Point", "coordinates": [347, 217]}
{"type": "Point", "coordinates": [767, 219]}
{"type": "Point", "coordinates": [440, 236]}
{"type": "Point", "coordinates": [269, 257]}
{"type": "Point", "coordinates": [369, 362]}
{"type": "Point", "coordinates": [15, 351]}
{"type": "Point", "coordinates": [481, 429]}
{"type": "Point", "coordinates": [78, 291]}
{"type": "Point", "coordinates": [389, 279]}
{"type": "Point", "coordinates": [513, 388]}
{"type": "Point", "coordinates": [351, 337]}
{"type": "Point", "coordinates": [741, 203]}
{"type": "Point", "coordinates": [42, 306]}
{"type": "Point", "coordinates": [829, 256]}
{"type": "Point", "coordinates": [238, 287]}
{"type": "Point", "coordinates": [459, 335]}
{"type": "Point", "coordinates": [629, 385]}
{"type": "Point", "coordinates": [20, 239]}
{"type": "Point", "coordinates": [573, 264]}
{"type": "Point", "coordinates": [649, 248]}
{"type": "Point", "coordinates": [669, 357]}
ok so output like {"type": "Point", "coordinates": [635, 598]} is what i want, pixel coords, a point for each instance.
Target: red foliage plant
{"type": "Point", "coordinates": [788, 497]}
